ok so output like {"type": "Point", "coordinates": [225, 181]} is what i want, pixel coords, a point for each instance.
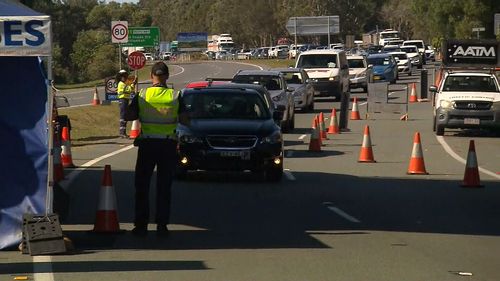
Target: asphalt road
{"type": "Point", "coordinates": [330, 218]}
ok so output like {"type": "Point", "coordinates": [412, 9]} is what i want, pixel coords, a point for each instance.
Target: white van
{"type": "Point", "coordinates": [328, 71]}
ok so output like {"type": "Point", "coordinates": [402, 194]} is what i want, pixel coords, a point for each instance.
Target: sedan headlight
{"type": "Point", "coordinates": [446, 104]}
{"type": "Point", "coordinates": [334, 78]}
{"type": "Point", "coordinates": [190, 139]}
{"type": "Point", "coordinates": [274, 138]}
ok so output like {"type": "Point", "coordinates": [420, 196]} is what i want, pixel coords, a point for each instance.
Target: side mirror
{"type": "Point", "coordinates": [433, 89]}
{"type": "Point", "coordinates": [290, 89]}
{"type": "Point", "coordinates": [278, 115]}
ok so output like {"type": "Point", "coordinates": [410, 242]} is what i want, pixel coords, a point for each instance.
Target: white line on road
{"type": "Point", "coordinates": [452, 153]}
{"type": "Point", "coordinates": [341, 213]}
{"type": "Point", "coordinates": [42, 268]}
{"type": "Point", "coordinates": [289, 175]}
{"type": "Point", "coordinates": [302, 137]}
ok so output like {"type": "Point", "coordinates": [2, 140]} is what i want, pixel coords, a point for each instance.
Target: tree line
{"type": "Point", "coordinates": [82, 42]}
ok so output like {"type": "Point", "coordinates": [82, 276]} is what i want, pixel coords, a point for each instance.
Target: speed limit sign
{"type": "Point", "coordinates": [119, 31]}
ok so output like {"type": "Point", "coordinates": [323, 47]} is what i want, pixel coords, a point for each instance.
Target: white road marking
{"type": "Point", "coordinates": [288, 174]}
{"type": "Point", "coordinates": [71, 176]}
{"type": "Point", "coordinates": [363, 103]}
{"type": "Point", "coordinates": [244, 63]}
{"type": "Point", "coordinates": [452, 153]}
{"type": "Point", "coordinates": [302, 137]}
{"type": "Point", "coordinates": [341, 213]}
{"type": "Point", "coordinates": [42, 268]}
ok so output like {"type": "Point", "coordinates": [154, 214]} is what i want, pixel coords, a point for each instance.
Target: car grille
{"type": "Point", "coordinates": [473, 105]}
{"type": "Point", "coordinates": [229, 142]}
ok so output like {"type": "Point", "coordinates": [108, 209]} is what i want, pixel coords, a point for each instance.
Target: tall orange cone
{"type": "Point", "coordinates": [96, 100]}
{"type": "Point", "coordinates": [334, 125]}
{"type": "Point", "coordinates": [417, 165]}
{"type": "Point", "coordinates": [354, 111]}
{"type": "Point", "coordinates": [315, 143]}
{"type": "Point", "coordinates": [106, 220]}
{"type": "Point", "coordinates": [366, 152]}
{"type": "Point", "coordinates": [135, 131]}
{"type": "Point", "coordinates": [413, 94]}
{"type": "Point", "coordinates": [322, 129]}
{"type": "Point", "coordinates": [66, 158]}
{"type": "Point", "coordinates": [471, 175]}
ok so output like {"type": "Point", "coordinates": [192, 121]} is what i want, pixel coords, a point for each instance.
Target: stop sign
{"type": "Point", "coordinates": [136, 60]}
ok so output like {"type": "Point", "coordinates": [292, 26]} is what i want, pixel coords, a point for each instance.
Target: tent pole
{"type": "Point", "coordinates": [50, 177]}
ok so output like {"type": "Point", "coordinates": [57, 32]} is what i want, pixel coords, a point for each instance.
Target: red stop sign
{"type": "Point", "coordinates": [136, 60]}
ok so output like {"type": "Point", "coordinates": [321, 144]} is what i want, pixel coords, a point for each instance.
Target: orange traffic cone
{"type": "Point", "coordinates": [95, 100]}
{"type": "Point", "coordinates": [322, 129]}
{"type": "Point", "coordinates": [366, 153]}
{"type": "Point", "coordinates": [66, 158]}
{"type": "Point", "coordinates": [315, 143]}
{"type": "Point", "coordinates": [417, 166]}
{"type": "Point", "coordinates": [413, 94]}
{"type": "Point", "coordinates": [471, 175]}
{"type": "Point", "coordinates": [135, 131]}
{"type": "Point", "coordinates": [354, 111]}
{"type": "Point", "coordinates": [106, 220]}
{"type": "Point", "coordinates": [334, 125]}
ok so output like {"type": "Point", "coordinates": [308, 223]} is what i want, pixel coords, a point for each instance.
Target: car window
{"type": "Point", "coordinates": [400, 56]}
{"type": "Point", "coordinates": [470, 84]}
{"type": "Point", "coordinates": [379, 61]}
{"type": "Point", "coordinates": [317, 60]}
{"type": "Point", "coordinates": [224, 105]}
{"type": "Point", "coordinates": [272, 83]}
{"type": "Point", "coordinates": [409, 49]}
{"type": "Point", "coordinates": [293, 77]}
{"type": "Point", "coordinates": [356, 63]}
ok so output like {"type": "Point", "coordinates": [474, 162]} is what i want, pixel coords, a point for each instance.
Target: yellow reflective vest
{"type": "Point", "coordinates": [124, 90]}
{"type": "Point", "coordinates": [158, 112]}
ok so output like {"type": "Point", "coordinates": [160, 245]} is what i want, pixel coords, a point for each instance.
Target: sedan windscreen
{"type": "Point", "coordinates": [379, 61]}
{"type": "Point", "coordinates": [356, 63]}
{"type": "Point", "coordinates": [224, 105]}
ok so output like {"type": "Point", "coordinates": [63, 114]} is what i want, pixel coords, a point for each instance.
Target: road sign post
{"type": "Point", "coordinates": [477, 30]}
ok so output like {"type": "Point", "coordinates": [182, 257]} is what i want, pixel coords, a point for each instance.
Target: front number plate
{"type": "Point", "coordinates": [471, 121]}
{"type": "Point", "coordinates": [245, 155]}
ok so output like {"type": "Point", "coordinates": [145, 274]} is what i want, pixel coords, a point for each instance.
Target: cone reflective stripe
{"type": "Point", "coordinates": [322, 129]}
{"type": "Point", "coordinates": [417, 165]}
{"type": "Point", "coordinates": [135, 130]}
{"type": "Point", "coordinates": [354, 111]}
{"type": "Point", "coordinates": [95, 100]}
{"type": "Point", "coordinates": [366, 152]}
{"type": "Point", "coordinates": [334, 125]}
{"type": "Point", "coordinates": [66, 158]}
{"type": "Point", "coordinates": [471, 175]}
{"type": "Point", "coordinates": [413, 94]}
{"type": "Point", "coordinates": [106, 215]}
{"type": "Point", "coordinates": [315, 142]}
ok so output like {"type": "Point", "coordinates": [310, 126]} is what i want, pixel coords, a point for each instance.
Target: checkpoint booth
{"type": "Point", "coordinates": [26, 111]}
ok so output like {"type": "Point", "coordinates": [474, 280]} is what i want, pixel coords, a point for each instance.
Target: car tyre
{"type": "Point", "coordinates": [274, 174]}
{"type": "Point", "coordinates": [439, 130]}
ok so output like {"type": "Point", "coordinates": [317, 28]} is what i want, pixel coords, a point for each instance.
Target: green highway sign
{"type": "Point", "coordinates": [143, 37]}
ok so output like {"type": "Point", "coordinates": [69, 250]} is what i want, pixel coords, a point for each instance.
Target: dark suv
{"type": "Point", "coordinates": [229, 129]}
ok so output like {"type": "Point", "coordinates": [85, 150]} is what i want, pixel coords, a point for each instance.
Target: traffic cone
{"type": "Point", "coordinates": [413, 94]}
{"type": "Point", "coordinates": [322, 129]}
{"type": "Point", "coordinates": [334, 125]}
{"type": "Point", "coordinates": [471, 175]}
{"type": "Point", "coordinates": [417, 166]}
{"type": "Point", "coordinates": [66, 158]}
{"type": "Point", "coordinates": [315, 143]}
{"type": "Point", "coordinates": [135, 131]}
{"type": "Point", "coordinates": [95, 100]}
{"type": "Point", "coordinates": [106, 220]}
{"type": "Point", "coordinates": [366, 153]}
{"type": "Point", "coordinates": [354, 111]}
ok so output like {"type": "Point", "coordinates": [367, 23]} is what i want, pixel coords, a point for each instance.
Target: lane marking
{"type": "Point", "coordinates": [302, 137]}
{"type": "Point", "coordinates": [452, 153]}
{"type": "Point", "coordinates": [71, 176]}
{"type": "Point", "coordinates": [244, 63]}
{"type": "Point", "coordinates": [341, 213]}
{"type": "Point", "coordinates": [288, 174]}
{"type": "Point", "coordinates": [42, 268]}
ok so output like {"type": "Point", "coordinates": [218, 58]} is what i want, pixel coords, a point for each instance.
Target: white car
{"type": "Point", "coordinates": [357, 72]}
{"type": "Point", "coordinates": [404, 64]}
{"type": "Point", "coordinates": [413, 55]}
{"type": "Point", "coordinates": [430, 54]}
{"type": "Point", "coordinates": [149, 56]}
{"type": "Point", "coordinates": [278, 51]}
{"type": "Point", "coordinates": [303, 92]}
{"type": "Point", "coordinates": [294, 51]}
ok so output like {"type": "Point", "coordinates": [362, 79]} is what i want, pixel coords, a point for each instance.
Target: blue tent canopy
{"type": "Point", "coordinates": [25, 139]}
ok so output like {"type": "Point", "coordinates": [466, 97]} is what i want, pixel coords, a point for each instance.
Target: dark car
{"type": "Point", "coordinates": [229, 129]}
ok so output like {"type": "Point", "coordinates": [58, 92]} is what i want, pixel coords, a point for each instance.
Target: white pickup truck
{"type": "Point", "coordinates": [466, 100]}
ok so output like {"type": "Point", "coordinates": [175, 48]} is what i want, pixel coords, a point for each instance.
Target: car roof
{"type": "Point", "coordinates": [321, 52]}
{"type": "Point", "coordinates": [259, 72]}
{"type": "Point", "coordinates": [353, 57]}
{"type": "Point", "coordinates": [204, 84]}
{"type": "Point", "coordinates": [379, 55]}
{"type": "Point", "coordinates": [469, 73]}
{"type": "Point", "coordinates": [407, 46]}
{"type": "Point", "coordinates": [221, 89]}
{"type": "Point", "coordinates": [289, 69]}
{"type": "Point", "coordinates": [397, 53]}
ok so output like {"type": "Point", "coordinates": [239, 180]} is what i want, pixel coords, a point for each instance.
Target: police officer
{"type": "Point", "coordinates": [124, 90]}
{"type": "Point", "coordinates": [157, 108]}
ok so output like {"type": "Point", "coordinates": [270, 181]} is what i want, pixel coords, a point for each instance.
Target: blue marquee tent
{"type": "Point", "coordinates": [25, 138]}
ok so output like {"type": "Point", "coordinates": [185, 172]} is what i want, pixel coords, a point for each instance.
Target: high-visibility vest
{"type": "Point", "coordinates": [158, 112]}
{"type": "Point", "coordinates": [124, 90]}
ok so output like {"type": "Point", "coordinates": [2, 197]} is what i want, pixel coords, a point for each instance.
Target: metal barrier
{"type": "Point", "coordinates": [379, 100]}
